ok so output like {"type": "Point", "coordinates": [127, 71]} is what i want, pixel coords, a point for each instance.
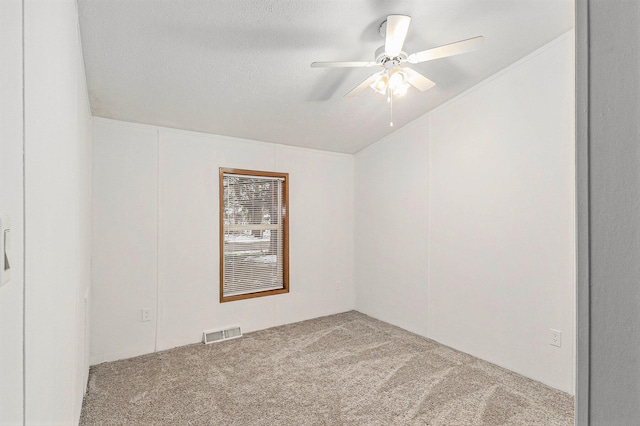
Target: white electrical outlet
{"type": "Point", "coordinates": [146, 314]}
{"type": "Point", "coordinates": [555, 337]}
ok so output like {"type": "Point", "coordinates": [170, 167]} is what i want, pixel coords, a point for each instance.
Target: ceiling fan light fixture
{"type": "Point", "coordinates": [396, 79]}
{"type": "Point", "coordinates": [381, 84]}
{"type": "Point", "coordinates": [398, 83]}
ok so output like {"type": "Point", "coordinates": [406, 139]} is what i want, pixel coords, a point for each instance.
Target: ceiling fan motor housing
{"type": "Point", "coordinates": [389, 62]}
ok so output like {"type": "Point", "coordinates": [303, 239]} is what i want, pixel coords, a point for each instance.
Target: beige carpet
{"type": "Point", "coordinates": [345, 369]}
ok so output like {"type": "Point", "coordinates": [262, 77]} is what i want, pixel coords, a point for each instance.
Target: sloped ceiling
{"type": "Point", "coordinates": [241, 68]}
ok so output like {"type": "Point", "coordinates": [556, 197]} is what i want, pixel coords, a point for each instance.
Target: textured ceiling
{"type": "Point", "coordinates": [241, 68]}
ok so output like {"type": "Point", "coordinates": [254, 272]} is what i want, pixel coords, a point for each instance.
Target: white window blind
{"type": "Point", "coordinates": [253, 233]}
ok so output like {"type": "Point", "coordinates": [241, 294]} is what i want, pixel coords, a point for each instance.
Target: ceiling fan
{"type": "Point", "coordinates": [394, 78]}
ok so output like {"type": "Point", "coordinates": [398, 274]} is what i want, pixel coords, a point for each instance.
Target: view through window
{"type": "Point", "coordinates": [254, 258]}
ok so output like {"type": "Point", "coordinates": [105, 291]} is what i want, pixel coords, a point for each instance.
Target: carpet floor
{"type": "Point", "coordinates": [344, 369]}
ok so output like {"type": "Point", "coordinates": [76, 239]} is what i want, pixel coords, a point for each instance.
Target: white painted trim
{"type": "Point", "coordinates": [582, 343]}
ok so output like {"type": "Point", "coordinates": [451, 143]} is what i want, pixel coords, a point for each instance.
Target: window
{"type": "Point", "coordinates": [254, 234]}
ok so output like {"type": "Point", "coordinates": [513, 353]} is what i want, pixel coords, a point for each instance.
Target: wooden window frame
{"type": "Point", "coordinates": [285, 231]}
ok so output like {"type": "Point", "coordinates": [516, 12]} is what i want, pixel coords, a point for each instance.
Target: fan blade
{"type": "Point", "coordinates": [397, 27]}
{"type": "Point", "coordinates": [452, 49]}
{"type": "Point", "coordinates": [362, 86]}
{"type": "Point", "coordinates": [418, 80]}
{"type": "Point", "coordinates": [342, 64]}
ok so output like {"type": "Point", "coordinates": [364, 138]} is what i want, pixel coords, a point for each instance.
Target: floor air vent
{"type": "Point", "coordinates": [211, 336]}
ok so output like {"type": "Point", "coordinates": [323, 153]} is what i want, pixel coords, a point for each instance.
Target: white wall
{"type": "Point", "coordinates": [391, 228]}
{"type": "Point", "coordinates": [502, 234]}
{"type": "Point", "coordinates": [155, 236]}
{"type": "Point", "coordinates": [488, 181]}
{"type": "Point", "coordinates": [124, 239]}
{"type": "Point", "coordinates": [57, 200]}
{"type": "Point", "coordinates": [11, 197]}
